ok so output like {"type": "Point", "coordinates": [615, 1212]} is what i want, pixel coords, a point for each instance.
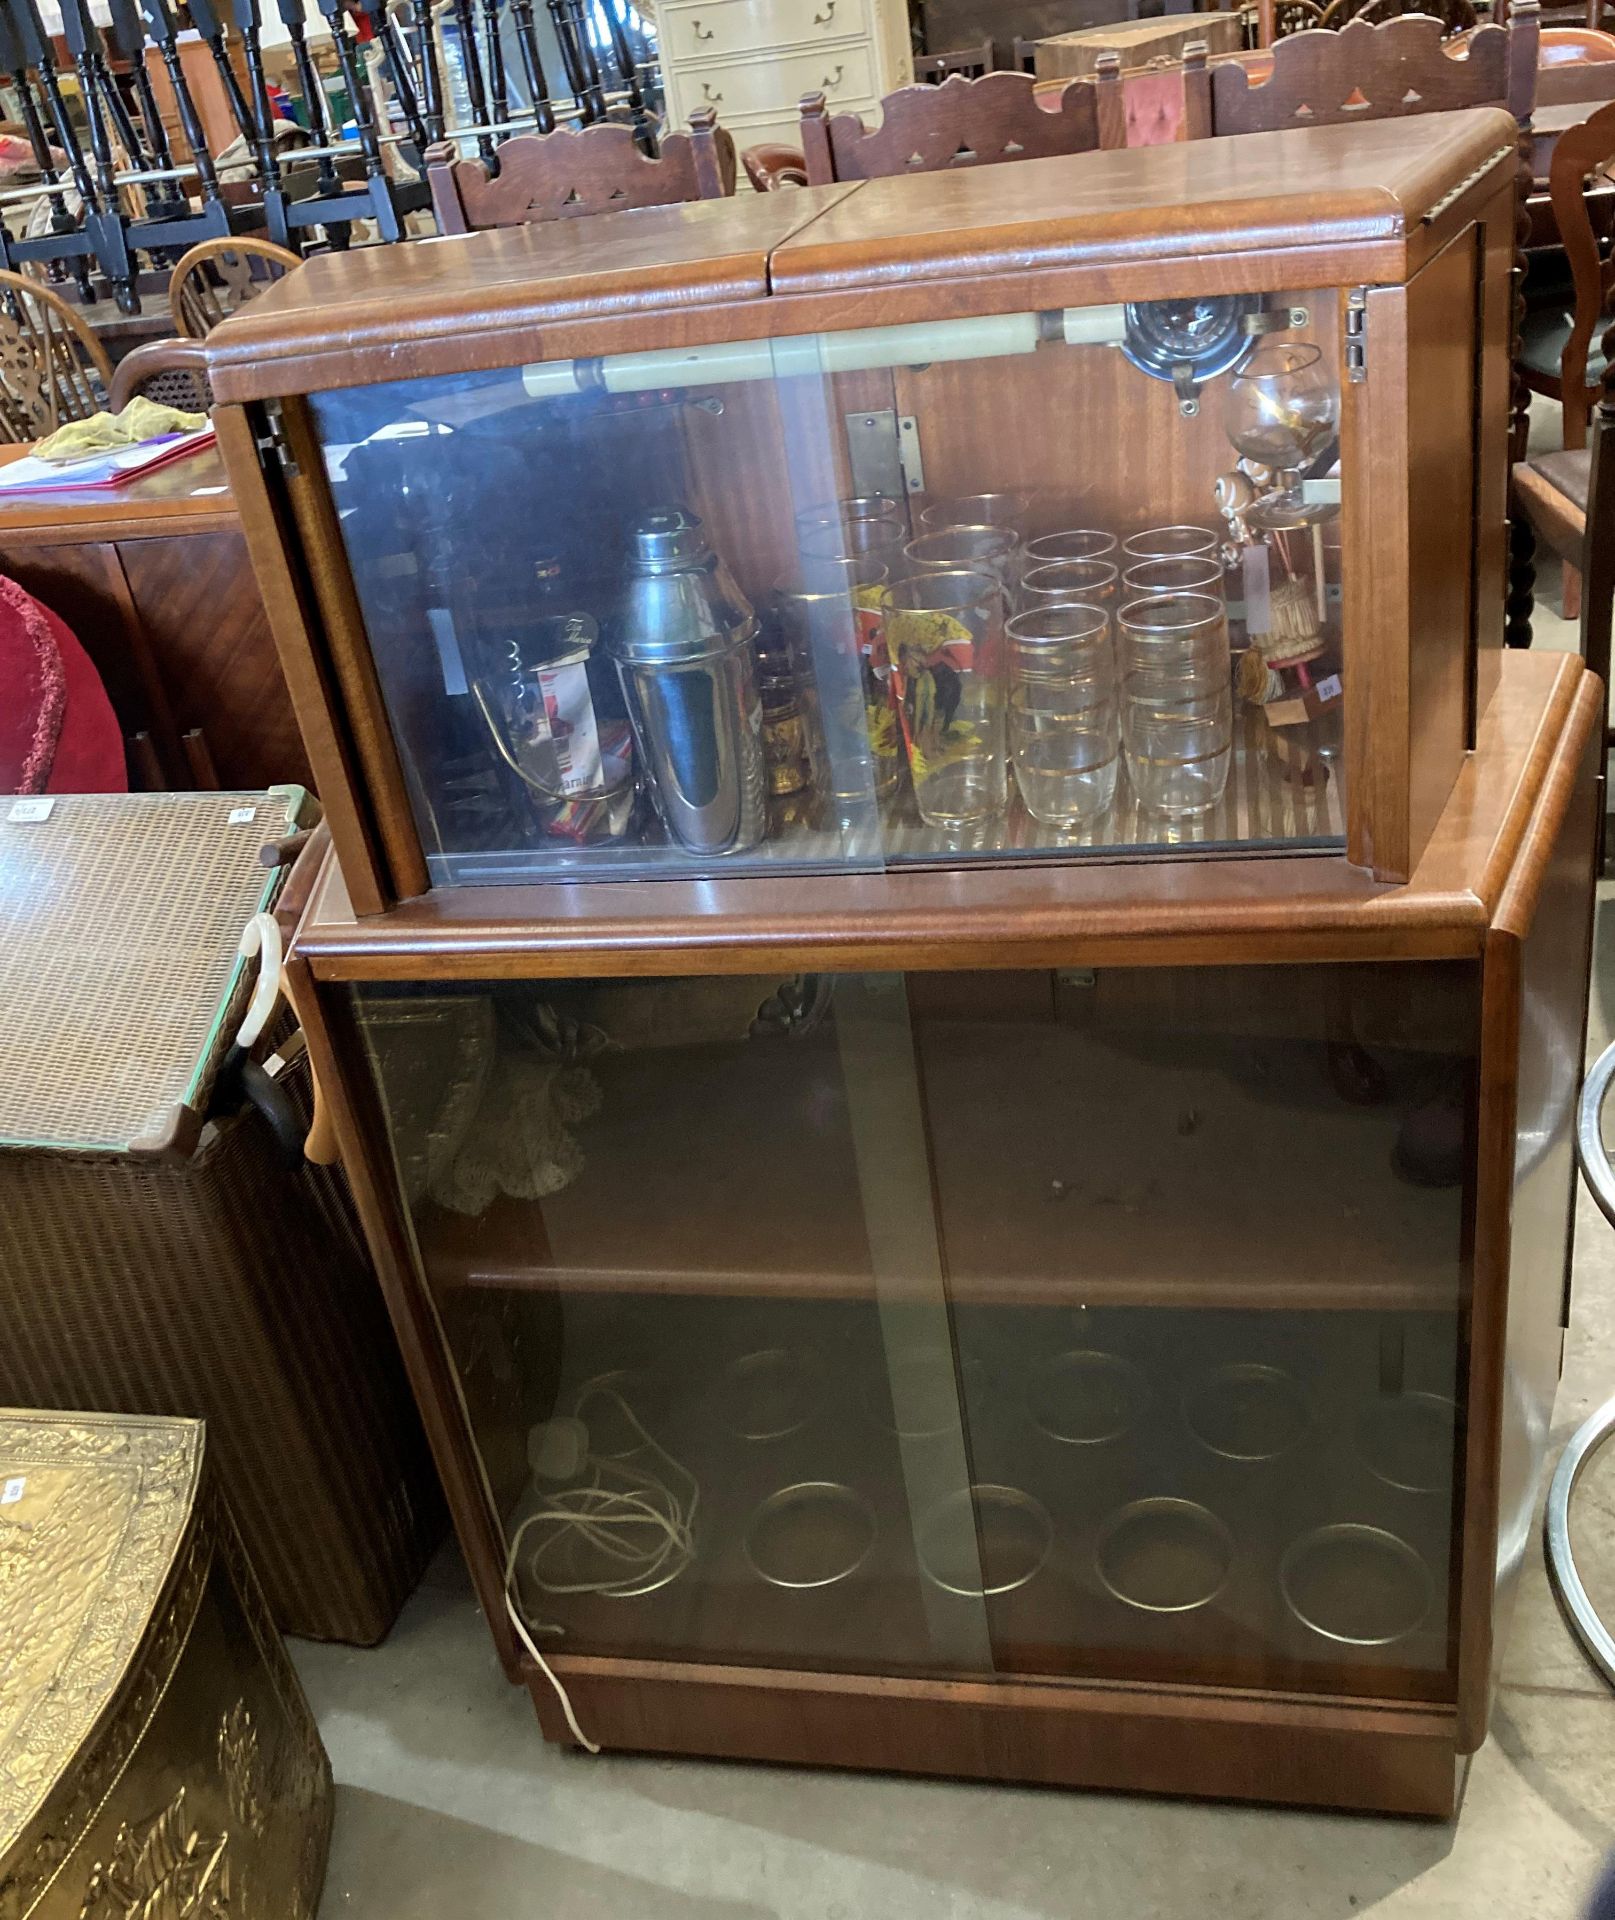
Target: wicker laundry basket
{"type": "Point", "coordinates": [156, 1259]}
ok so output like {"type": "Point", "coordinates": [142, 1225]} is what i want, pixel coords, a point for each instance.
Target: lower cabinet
{"type": "Point", "coordinates": [1097, 1374]}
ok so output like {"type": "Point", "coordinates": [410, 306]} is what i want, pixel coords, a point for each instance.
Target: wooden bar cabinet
{"type": "Point", "coordinates": [969, 1143]}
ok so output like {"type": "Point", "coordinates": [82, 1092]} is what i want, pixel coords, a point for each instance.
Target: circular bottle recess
{"type": "Point", "coordinates": [1084, 1397]}
{"type": "Point", "coordinates": [1247, 1412]}
{"type": "Point", "coordinates": [1357, 1585]}
{"type": "Point", "coordinates": [812, 1534]}
{"type": "Point", "coordinates": [983, 1540]}
{"type": "Point", "coordinates": [1164, 1555]}
{"type": "Point", "coordinates": [767, 1394]}
{"type": "Point", "coordinates": [1407, 1440]}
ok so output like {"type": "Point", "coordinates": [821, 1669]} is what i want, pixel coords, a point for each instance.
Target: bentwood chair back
{"type": "Point", "coordinates": [218, 276]}
{"type": "Point", "coordinates": [171, 372]}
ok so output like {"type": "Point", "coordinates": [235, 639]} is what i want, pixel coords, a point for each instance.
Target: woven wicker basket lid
{"type": "Point", "coordinates": [93, 1510]}
{"type": "Point", "coordinates": [120, 920]}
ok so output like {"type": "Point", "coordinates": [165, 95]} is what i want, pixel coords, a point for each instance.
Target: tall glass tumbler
{"type": "Point", "coordinates": [1064, 714]}
{"type": "Point", "coordinates": [834, 623]}
{"type": "Point", "coordinates": [945, 637]}
{"type": "Point", "coordinates": [1177, 701]}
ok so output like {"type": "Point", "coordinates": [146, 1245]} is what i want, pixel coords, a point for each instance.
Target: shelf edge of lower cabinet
{"type": "Point", "coordinates": [1359, 1755]}
{"type": "Point", "coordinates": [1286, 1294]}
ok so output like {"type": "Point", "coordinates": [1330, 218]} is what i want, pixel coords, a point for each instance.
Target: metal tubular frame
{"type": "Point", "coordinates": [1583, 1617]}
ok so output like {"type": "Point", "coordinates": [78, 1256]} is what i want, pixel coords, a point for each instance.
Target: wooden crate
{"type": "Point", "coordinates": [1140, 43]}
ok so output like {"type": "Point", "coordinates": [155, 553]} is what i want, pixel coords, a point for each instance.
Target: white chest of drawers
{"type": "Point", "coordinates": [752, 60]}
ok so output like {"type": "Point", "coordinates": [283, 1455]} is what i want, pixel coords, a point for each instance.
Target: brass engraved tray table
{"type": "Point", "coordinates": [157, 1756]}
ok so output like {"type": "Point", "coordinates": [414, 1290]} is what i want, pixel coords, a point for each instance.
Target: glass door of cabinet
{"type": "Point", "coordinates": [1079, 1324]}
{"type": "Point", "coordinates": [679, 1241]}
{"type": "Point", "coordinates": [1030, 586]}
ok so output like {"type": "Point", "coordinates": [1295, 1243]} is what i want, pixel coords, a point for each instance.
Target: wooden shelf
{"type": "Point", "coordinates": [1069, 1168]}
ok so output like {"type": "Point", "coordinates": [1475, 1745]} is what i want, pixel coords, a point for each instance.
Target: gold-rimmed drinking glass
{"type": "Point", "coordinates": [1186, 574]}
{"type": "Point", "coordinates": [1063, 580]}
{"type": "Point", "coordinates": [1171, 543]}
{"type": "Point", "coordinates": [972, 548]}
{"type": "Point", "coordinates": [1076, 543]}
{"type": "Point", "coordinates": [1064, 713]}
{"type": "Point", "coordinates": [868, 526]}
{"type": "Point", "coordinates": [1007, 509]}
{"type": "Point", "coordinates": [1177, 701]}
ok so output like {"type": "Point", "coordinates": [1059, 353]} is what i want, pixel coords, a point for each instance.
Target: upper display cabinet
{"type": "Point", "coordinates": [1066, 510]}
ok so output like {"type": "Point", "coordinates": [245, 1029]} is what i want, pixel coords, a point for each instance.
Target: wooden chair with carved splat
{"type": "Point", "coordinates": [963, 123]}
{"type": "Point", "coordinates": [218, 276]}
{"type": "Point", "coordinates": [52, 367]}
{"type": "Point", "coordinates": [580, 170]}
{"type": "Point", "coordinates": [1364, 72]}
{"type": "Point", "coordinates": [1456, 16]}
{"type": "Point", "coordinates": [1262, 23]}
{"type": "Point", "coordinates": [1559, 356]}
{"type": "Point", "coordinates": [931, 69]}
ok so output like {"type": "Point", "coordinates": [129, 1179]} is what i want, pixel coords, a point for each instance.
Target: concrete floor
{"type": "Point", "coordinates": [450, 1806]}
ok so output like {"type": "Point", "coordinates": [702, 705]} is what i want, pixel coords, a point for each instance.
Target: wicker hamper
{"type": "Point", "coordinates": [154, 1263]}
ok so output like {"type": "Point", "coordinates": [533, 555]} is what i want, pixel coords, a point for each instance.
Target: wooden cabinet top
{"type": "Point", "coordinates": [188, 496]}
{"type": "Point", "coordinates": [1481, 870]}
{"type": "Point", "coordinates": [1326, 206]}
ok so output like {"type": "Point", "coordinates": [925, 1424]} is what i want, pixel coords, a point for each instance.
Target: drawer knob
{"type": "Point", "coordinates": [831, 81]}
{"type": "Point", "coordinates": [824, 19]}
{"type": "Point", "coordinates": [705, 33]}
{"type": "Point", "coordinates": [708, 95]}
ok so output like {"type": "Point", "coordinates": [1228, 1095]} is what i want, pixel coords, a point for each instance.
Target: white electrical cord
{"type": "Point", "coordinates": [612, 1511]}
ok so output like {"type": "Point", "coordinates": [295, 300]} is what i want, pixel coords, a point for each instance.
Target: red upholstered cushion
{"type": "Point", "coordinates": [58, 733]}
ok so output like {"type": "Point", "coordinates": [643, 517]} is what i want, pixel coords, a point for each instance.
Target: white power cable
{"type": "Point", "coordinates": [623, 1512]}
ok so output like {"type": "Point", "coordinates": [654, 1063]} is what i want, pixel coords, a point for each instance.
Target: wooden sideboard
{"type": "Point", "coordinates": [155, 581]}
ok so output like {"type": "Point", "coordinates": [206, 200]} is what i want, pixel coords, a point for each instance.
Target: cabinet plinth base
{"type": "Point", "coordinates": [1352, 1756]}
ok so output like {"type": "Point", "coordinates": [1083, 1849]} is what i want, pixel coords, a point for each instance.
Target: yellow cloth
{"type": "Point", "coordinates": [141, 420]}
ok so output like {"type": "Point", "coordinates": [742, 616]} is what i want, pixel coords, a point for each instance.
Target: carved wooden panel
{"type": "Point", "coordinates": [582, 170]}
{"type": "Point", "coordinates": [961, 123]}
{"type": "Point", "coordinates": [1366, 72]}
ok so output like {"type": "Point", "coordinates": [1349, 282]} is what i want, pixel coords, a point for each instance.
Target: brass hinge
{"type": "Point", "coordinates": [1357, 335]}
{"type": "Point", "coordinates": [272, 442]}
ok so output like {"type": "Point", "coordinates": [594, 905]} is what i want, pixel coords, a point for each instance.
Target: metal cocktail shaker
{"type": "Point", "coordinates": [684, 651]}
